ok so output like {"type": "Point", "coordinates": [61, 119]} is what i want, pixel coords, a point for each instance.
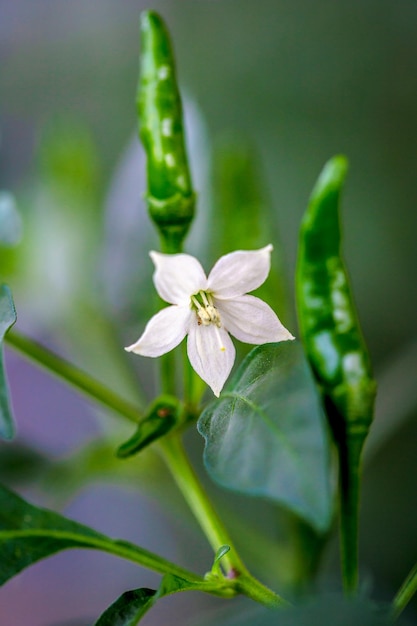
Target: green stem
{"type": "Point", "coordinates": [168, 374]}
{"type": "Point", "coordinates": [405, 593]}
{"type": "Point", "coordinates": [212, 526]}
{"type": "Point", "coordinates": [198, 501]}
{"type": "Point", "coordinates": [349, 455]}
{"type": "Point", "coordinates": [252, 588]}
{"type": "Point", "coordinates": [68, 372]}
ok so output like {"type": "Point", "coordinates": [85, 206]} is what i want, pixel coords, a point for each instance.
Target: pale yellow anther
{"type": "Point", "coordinates": [206, 312]}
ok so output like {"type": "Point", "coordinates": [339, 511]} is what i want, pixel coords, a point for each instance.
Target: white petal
{"type": "Point", "coordinates": [251, 320]}
{"type": "Point", "coordinates": [177, 277]}
{"type": "Point", "coordinates": [211, 353]}
{"type": "Point", "coordinates": [164, 331]}
{"type": "Point", "coordinates": [239, 272]}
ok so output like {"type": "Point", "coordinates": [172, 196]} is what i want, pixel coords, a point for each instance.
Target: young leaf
{"type": "Point", "coordinates": [29, 534]}
{"type": "Point", "coordinates": [7, 319]}
{"type": "Point", "coordinates": [266, 434]}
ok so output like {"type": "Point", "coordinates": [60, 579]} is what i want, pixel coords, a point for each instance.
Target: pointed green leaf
{"type": "Point", "coordinates": [128, 608]}
{"type": "Point", "coordinates": [266, 434]}
{"type": "Point", "coordinates": [29, 534]}
{"type": "Point", "coordinates": [220, 554]}
{"type": "Point", "coordinates": [7, 319]}
{"type": "Point", "coordinates": [216, 568]}
{"type": "Point", "coordinates": [132, 605]}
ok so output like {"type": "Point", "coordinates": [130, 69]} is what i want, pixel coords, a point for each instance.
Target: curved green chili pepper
{"type": "Point", "coordinates": [161, 417]}
{"type": "Point", "coordinates": [170, 195]}
{"type": "Point", "coordinates": [334, 345]}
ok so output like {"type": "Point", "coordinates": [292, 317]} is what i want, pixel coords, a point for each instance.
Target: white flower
{"type": "Point", "coordinates": [208, 309]}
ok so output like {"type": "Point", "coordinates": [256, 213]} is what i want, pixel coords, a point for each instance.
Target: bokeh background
{"type": "Point", "coordinates": [298, 81]}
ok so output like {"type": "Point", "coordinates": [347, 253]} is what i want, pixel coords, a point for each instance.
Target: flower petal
{"type": "Point", "coordinates": [239, 272]}
{"type": "Point", "coordinates": [251, 320]}
{"type": "Point", "coordinates": [164, 331]}
{"type": "Point", "coordinates": [177, 277]}
{"type": "Point", "coordinates": [211, 353]}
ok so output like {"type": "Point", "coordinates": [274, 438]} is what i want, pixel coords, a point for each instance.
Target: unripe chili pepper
{"type": "Point", "coordinates": [170, 196]}
{"type": "Point", "coordinates": [161, 417]}
{"type": "Point", "coordinates": [335, 347]}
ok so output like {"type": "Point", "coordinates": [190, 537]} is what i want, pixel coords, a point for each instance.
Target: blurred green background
{"type": "Point", "coordinates": [300, 81]}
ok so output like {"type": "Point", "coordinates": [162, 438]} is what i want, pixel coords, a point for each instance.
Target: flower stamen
{"type": "Point", "coordinates": [206, 311]}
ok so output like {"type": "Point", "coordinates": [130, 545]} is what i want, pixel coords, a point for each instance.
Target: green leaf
{"type": "Point", "coordinates": [7, 319]}
{"type": "Point", "coordinates": [29, 534]}
{"type": "Point", "coordinates": [266, 434]}
{"type": "Point", "coordinates": [128, 609]}
{"type": "Point", "coordinates": [216, 570]}
{"type": "Point", "coordinates": [162, 416]}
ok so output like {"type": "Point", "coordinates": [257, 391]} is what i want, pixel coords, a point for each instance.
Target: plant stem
{"type": "Point", "coordinates": [71, 374]}
{"type": "Point", "coordinates": [212, 526]}
{"type": "Point", "coordinates": [349, 455]}
{"type": "Point", "coordinates": [198, 501]}
{"type": "Point", "coordinates": [168, 374]}
{"type": "Point", "coordinates": [252, 588]}
{"type": "Point", "coordinates": [405, 593]}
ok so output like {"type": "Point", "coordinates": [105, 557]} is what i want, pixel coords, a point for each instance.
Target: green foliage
{"type": "Point", "coordinates": [266, 435]}
{"type": "Point", "coordinates": [161, 417]}
{"type": "Point", "coordinates": [7, 319]}
{"type": "Point", "coordinates": [217, 559]}
{"type": "Point", "coordinates": [29, 534]}
{"type": "Point", "coordinates": [170, 196]}
{"type": "Point", "coordinates": [128, 608]}
{"type": "Point", "coordinates": [131, 606]}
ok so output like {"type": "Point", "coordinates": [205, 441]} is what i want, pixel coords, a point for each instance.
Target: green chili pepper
{"type": "Point", "coordinates": [335, 347]}
{"type": "Point", "coordinates": [170, 195]}
{"type": "Point", "coordinates": [161, 417]}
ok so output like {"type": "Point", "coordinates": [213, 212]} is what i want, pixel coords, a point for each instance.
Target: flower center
{"type": "Point", "coordinates": [205, 309]}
